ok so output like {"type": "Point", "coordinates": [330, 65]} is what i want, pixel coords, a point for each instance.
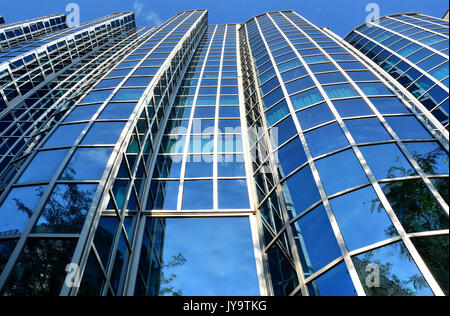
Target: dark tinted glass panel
{"type": "Point", "coordinates": [336, 282]}
{"type": "Point", "coordinates": [408, 128]}
{"type": "Point", "coordinates": [320, 246]}
{"type": "Point", "coordinates": [6, 249]}
{"type": "Point", "coordinates": [434, 251]}
{"type": "Point", "coordinates": [291, 156]}
{"type": "Point", "coordinates": [104, 133]}
{"type": "Point", "coordinates": [66, 209]}
{"type": "Point", "coordinates": [414, 206]}
{"type": "Point", "coordinates": [40, 257]}
{"type": "Point", "coordinates": [104, 237]}
{"type": "Point", "coordinates": [314, 116]}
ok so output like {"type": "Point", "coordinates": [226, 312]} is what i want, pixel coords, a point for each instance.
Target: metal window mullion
{"type": "Point", "coordinates": [418, 26]}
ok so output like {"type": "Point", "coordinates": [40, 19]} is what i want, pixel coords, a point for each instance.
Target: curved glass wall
{"type": "Point", "coordinates": [413, 49]}
{"type": "Point", "coordinates": [363, 181]}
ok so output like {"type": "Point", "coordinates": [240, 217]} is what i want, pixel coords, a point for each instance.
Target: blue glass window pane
{"type": "Point", "coordinates": [374, 88]}
{"type": "Point", "coordinates": [82, 113]}
{"type": "Point", "coordinates": [87, 164]}
{"type": "Point", "coordinates": [360, 224]}
{"type": "Point", "coordinates": [233, 194]}
{"type": "Point", "coordinates": [108, 83]}
{"type": "Point", "coordinates": [229, 111]}
{"type": "Point", "coordinates": [399, 274]}
{"type": "Point", "coordinates": [199, 166]}
{"type": "Point", "coordinates": [367, 130]}
{"type": "Point", "coordinates": [362, 76]}
{"type": "Point", "coordinates": [314, 116]}
{"type": "Point", "coordinates": [431, 157]}
{"type": "Point", "coordinates": [277, 113]}
{"type": "Point", "coordinates": [117, 111]}
{"type": "Point", "coordinates": [299, 85]}
{"type": "Point", "coordinates": [300, 191]}
{"type": "Point", "coordinates": [290, 157]}
{"type": "Point", "coordinates": [282, 132]}
{"type": "Point", "coordinates": [18, 208]}
{"type": "Point", "coordinates": [66, 209]}
{"type": "Point", "coordinates": [231, 166]}
{"type": "Point", "coordinates": [205, 112]}
{"type": "Point", "coordinates": [306, 98]}
{"type": "Point", "coordinates": [169, 200]}
{"type": "Point", "coordinates": [322, 67]}
{"type": "Point", "coordinates": [336, 282]}
{"type": "Point", "coordinates": [387, 161]}
{"type": "Point", "coordinates": [65, 135]}
{"type": "Point", "coordinates": [408, 127]}
{"type": "Point", "coordinates": [138, 82]}
{"type": "Point", "coordinates": [43, 166]}
{"type": "Point", "coordinates": [349, 174]}
{"type": "Point", "coordinates": [331, 77]}
{"type": "Point", "coordinates": [198, 195]}
{"type": "Point", "coordinates": [128, 95]}
{"type": "Point", "coordinates": [319, 244]}
{"type": "Point", "coordinates": [340, 91]}
{"type": "Point", "coordinates": [269, 85]}
{"type": "Point", "coordinates": [97, 96]}
{"type": "Point", "coordinates": [273, 98]}
{"type": "Point", "coordinates": [389, 105]}
{"type": "Point", "coordinates": [326, 139]}
{"type": "Point", "coordinates": [229, 100]}
{"type": "Point", "coordinates": [352, 107]}
{"type": "Point", "coordinates": [104, 133]}
{"type": "Point", "coordinates": [226, 268]}
{"type": "Point", "coordinates": [294, 73]}
{"type": "Point", "coordinates": [415, 206]}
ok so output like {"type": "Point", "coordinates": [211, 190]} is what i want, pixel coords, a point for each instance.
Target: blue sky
{"type": "Point", "coordinates": [340, 15]}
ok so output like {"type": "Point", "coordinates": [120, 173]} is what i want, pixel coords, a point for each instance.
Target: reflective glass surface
{"type": "Point", "coordinates": [336, 282]}
{"type": "Point", "coordinates": [208, 256]}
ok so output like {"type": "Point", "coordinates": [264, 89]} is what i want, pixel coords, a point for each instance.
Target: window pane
{"type": "Point", "coordinates": [17, 209]}
{"type": "Point", "coordinates": [43, 166]}
{"type": "Point", "coordinates": [349, 173]}
{"type": "Point", "coordinates": [104, 133]}
{"type": "Point", "coordinates": [87, 164]}
{"type": "Point", "coordinates": [352, 107]}
{"type": "Point", "coordinates": [408, 128]}
{"type": "Point", "coordinates": [414, 206]}
{"type": "Point", "coordinates": [65, 135]}
{"type": "Point", "coordinates": [386, 161]}
{"type": "Point", "coordinates": [300, 191]}
{"type": "Point", "coordinates": [82, 113]}
{"type": "Point", "coordinates": [66, 209]}
{"type": "Point", "coordinates": [389, 105]}
{"type": "Point", "coordinates": [117, 111]}
{"type": "Point", "coordinates": [315, 240]}
{"type": "Point", "coordinates": [336, 282]}
{"type": "Point", "coordinates": [360, 224]}
{"type": "Point", "coordinates": [226, 268]}
{"type": "Point", "coordinates": [233, 194]}
{"type": "Point", "coordinates": [199, 166]}
{"type": "Point", "coordinates": [198, 195]}
{"type": "Point", "coordinates": [399, 276]}
{"type": "Point", "coordinates": [367, 130]}
{"type": "Point", "coordinates": [290, 157]}
{"type": "Point", "coordinates": [231, 166]}
{"type": "Point", "coordinates": [326, 139]}
{"type": "Point", "coordinates": [314, 116]}
{"type": "Point", "coordinates": [431, 157]}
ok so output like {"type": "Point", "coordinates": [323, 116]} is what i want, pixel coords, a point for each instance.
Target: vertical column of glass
{"type": "Point", "coordinates": [124, 192]}
{"type": "Point", "coordinates": [298, 57]}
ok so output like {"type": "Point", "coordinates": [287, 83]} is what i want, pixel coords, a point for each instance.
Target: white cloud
{"type": "Point", "coordinates": [138, 7]}
{"type": "Point", "coordinates": [153, 17]}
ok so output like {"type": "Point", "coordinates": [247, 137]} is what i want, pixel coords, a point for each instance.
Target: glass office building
{"type": "Point", "coordinates": [413, 49]}
{"type": "Point", "coordinates": [265, 158]}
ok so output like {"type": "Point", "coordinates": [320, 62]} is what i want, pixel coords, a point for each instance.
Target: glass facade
{"type": "Point", "coordinates": [413, 49]}
{"type": "Point", "coordinates": [264, 158]}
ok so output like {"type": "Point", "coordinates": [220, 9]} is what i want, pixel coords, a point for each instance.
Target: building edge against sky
{"type": "Point", "coordinates": [156, 143]}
